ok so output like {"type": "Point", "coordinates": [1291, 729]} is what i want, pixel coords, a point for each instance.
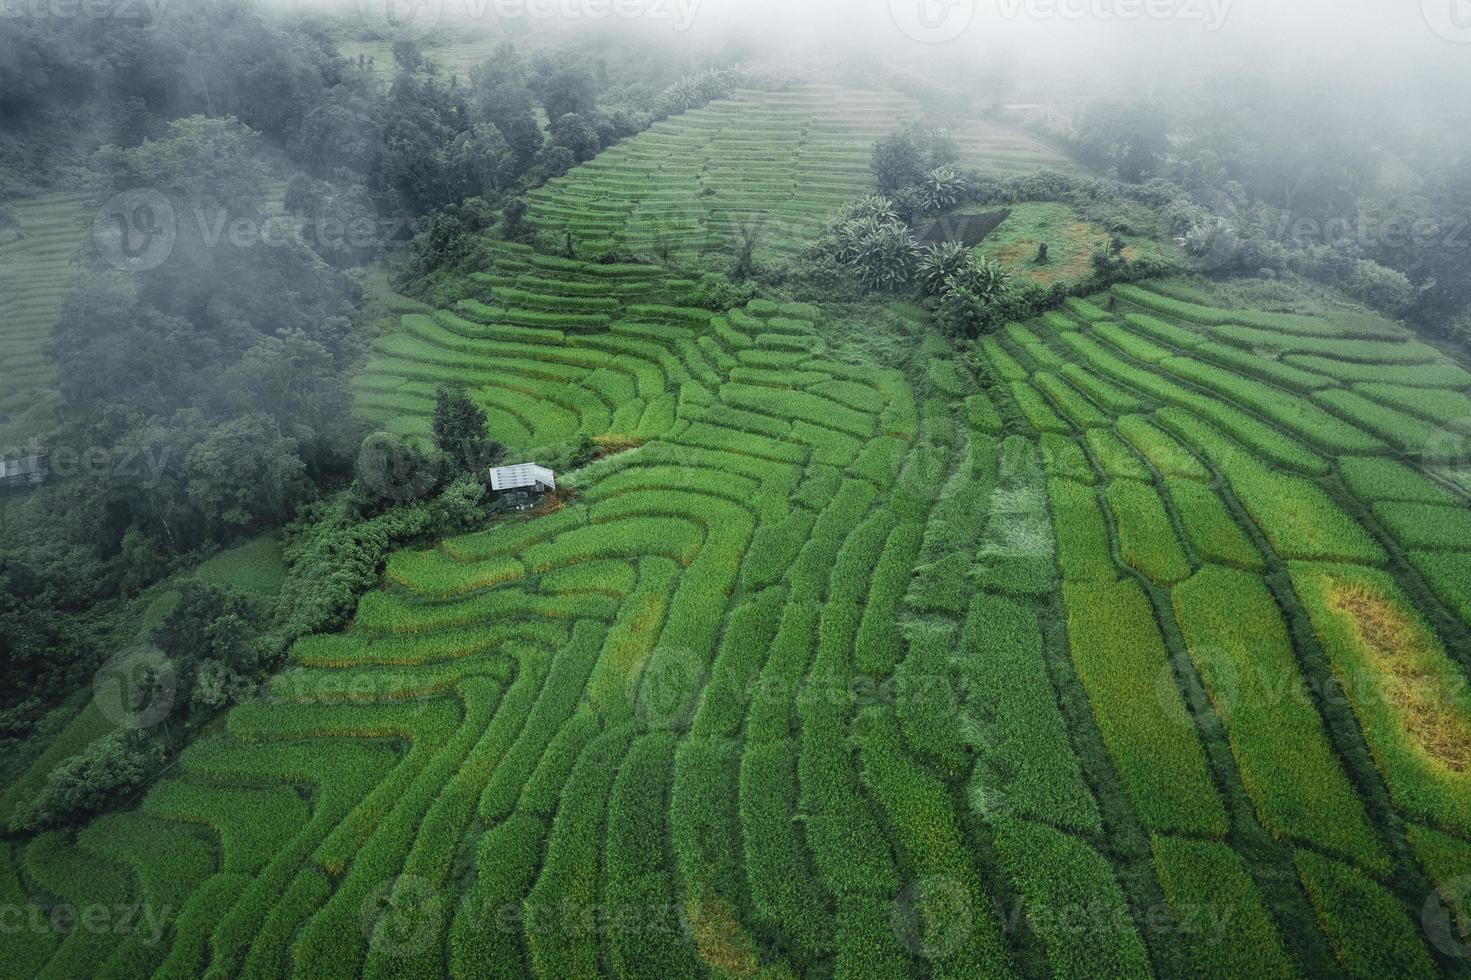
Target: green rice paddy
{"type": "Point", "coordinates": [1060, 656]}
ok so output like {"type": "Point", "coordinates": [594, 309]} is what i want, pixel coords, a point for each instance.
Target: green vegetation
{"type": "Point", "coordinates": [780, 681]}
{"type": "Point", "coordinates": [1403, 688]}
{"type": "Point", "coordinates": [1115, 643]}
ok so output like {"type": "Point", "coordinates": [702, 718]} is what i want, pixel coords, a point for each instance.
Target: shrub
{"type": "Point", "coordinates": [82, 784]}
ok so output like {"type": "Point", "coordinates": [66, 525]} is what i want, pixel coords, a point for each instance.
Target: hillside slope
{"type": "Point", "coordinates": [1129, 643]}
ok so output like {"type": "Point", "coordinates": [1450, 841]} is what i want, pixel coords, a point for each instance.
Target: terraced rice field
{"type": "Point", "coordinates": [1130, 646]}
{"type": "Point", "coordinates": [996, 148]}
{"type": "Point", "coordinates": [36, 273]}
{"type": "Point", "coordinates": [776, 163]}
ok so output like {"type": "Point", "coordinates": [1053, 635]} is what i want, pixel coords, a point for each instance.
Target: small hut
{"type": "Point", "coordinates": [523, 485]}
{"type": "Point", "coordinates": [29, 471]}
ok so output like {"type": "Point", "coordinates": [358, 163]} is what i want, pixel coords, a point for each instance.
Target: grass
{"type": "Point", "coordinates": [1071, 241]}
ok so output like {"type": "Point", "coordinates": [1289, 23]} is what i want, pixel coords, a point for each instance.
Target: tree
{"type": "Point", "coordinates": [459, 432]}
{"type": "Point", "coordinates": [576, 134]}
{"type": "Point", "coordinates": [968, 297]}
{"type": "Point", "coordinates": [1131, 139]}
{"type": "Point", "coordinates": [941, 262]}
{"type": "Point", "coordinates": [407, 55]}
{"type": "Point", "coordinates": [902, 160]}
{"type": "Point", "coordinates": [569, 89]}
{"type": "Point", "coordinates": [83, 784]}
{"type": "Point", "coordinates": [393, 471]}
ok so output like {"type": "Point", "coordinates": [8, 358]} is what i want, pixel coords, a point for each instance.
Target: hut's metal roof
{"type": "Point", "coordinates": [522, 475]}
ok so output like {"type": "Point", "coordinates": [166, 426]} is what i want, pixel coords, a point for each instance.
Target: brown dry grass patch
{"type": "Point", "coordinates": [1406, 662]}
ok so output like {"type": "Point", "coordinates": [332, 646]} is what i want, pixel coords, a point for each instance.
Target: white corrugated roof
{"type": "Point", "coordinates": [522, 475]}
